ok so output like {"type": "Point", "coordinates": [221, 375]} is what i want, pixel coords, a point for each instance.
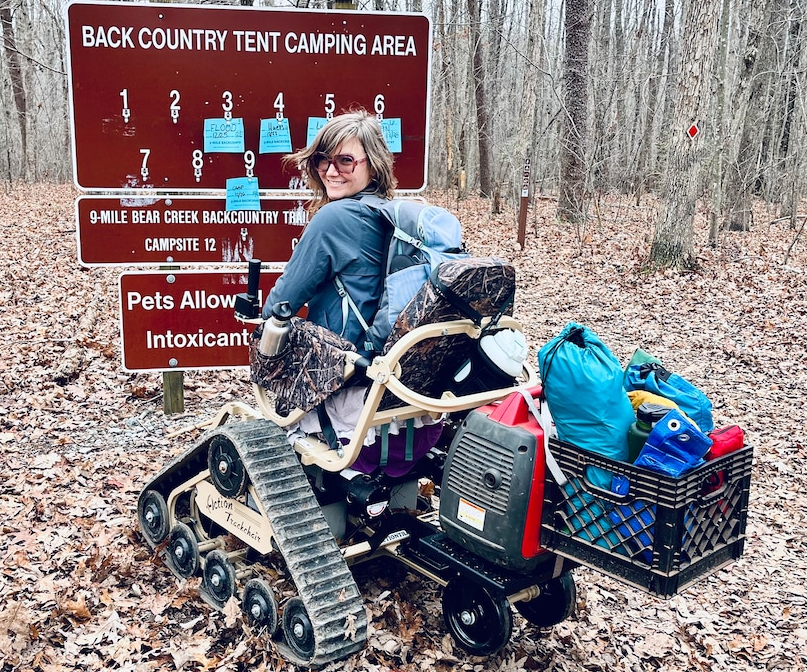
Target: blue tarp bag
{"type": "Point", "coordinates": [653, 377]}
{"type": "Point", "coordinates": [674, 446]}
{"type": "Point", "coordinates": [582, 383]}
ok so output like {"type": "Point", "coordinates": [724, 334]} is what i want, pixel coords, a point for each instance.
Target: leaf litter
{"type": "Point", "coordinates": [80, 590]}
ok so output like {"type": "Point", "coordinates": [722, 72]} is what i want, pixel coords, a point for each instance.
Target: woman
{"type": "Point", "coordinates": [348, 159]}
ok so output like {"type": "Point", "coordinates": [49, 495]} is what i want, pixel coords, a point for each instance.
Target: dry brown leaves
{"type": "Point", "coordinates": [80, 590]}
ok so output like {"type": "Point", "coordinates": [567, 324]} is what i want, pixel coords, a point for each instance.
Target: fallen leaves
{"type": "Point", "coordinates": [80, 590]}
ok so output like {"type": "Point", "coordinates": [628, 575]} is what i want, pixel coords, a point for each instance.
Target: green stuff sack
{"type": "Point", "coordinates": [582, 382]}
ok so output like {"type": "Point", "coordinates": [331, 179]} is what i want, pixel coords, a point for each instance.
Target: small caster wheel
{"type": "Point", "coordinates": [298, 633]}
{"type": "Point", "coordinates": [226, 468]}
{"type": "Point", "coordinates": [152, 514]}
{"type": "Point", "coordinates": [260, 606]}
{"type": "Point", "coordinates": [219, 577]}
{"type": "Point", "coordinates": [182, 553]}
{"type": "Point", "coordinates": [555, 604]}
{"type": "Point", "coordinates": [480, 622]}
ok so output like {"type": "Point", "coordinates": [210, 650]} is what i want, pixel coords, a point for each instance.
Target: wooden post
{"type": "Point", "coordinates": [173, 392]}
{"type": "Point", "coordinates": [173, 381]}
{"type": "Point", "coordinates": [525, 199]}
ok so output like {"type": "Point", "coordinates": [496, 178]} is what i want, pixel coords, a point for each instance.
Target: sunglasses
{"type": "Point", "coordinates": [345, 164]}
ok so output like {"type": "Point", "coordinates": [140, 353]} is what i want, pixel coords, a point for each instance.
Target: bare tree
{"type": "Point", "coordinates": [16, 75]}
{"type": "Point", "coordinates": [571, 201]}
{"type": "Point", "coordinates": [480, 98]}
{"type": "Point", "coordinates": [673, 237]}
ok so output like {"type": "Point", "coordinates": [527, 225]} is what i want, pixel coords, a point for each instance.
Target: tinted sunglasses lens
{"type": "Point", "coordinates": [345, 163]}
{"type": "Point", "coordinates": [320, 162]}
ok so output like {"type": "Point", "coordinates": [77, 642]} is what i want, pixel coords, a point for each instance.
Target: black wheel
{"type": "Point", "coordinates": [226, 468]}
{"type": "Point", "coordinates": [219, 577]}
{"type": "Point", "coordinates": [259, 605]}
{"type": "Point", "coordinates": [555, 604]}
{"type": "Point", "coordinates": [298, 633]}
{"type": "Point", "coordinates": [480, 622]}
{"type": "Point", "coordinates": [183, 552]}
{"type": "Point", "coordinates": [152, 513]}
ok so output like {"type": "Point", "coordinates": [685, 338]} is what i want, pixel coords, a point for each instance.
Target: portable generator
{"type": "Point", "coordinates": [493, 484]}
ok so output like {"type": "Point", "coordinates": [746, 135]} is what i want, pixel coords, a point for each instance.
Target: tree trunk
{"type": "Point", "coordinates": [672, 245]}
{"type": "Point", "coordinates": [749, 105]}
{"type": "Point", "coordinates": [573, 141]}
{"type": "Point", "coordinates": [15, 74]}
{"type": "Point", "coordinates": [480, 99]}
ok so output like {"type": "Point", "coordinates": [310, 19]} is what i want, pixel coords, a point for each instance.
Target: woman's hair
{"type": "Point", "coordinates": [354, 124]}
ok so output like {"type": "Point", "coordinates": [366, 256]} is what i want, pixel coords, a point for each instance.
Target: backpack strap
{"type": "Point", "coordinates": [348, 304]}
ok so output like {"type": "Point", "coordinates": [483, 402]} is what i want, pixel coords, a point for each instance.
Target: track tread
{"type": "Point", "coordinates": [313, 559]}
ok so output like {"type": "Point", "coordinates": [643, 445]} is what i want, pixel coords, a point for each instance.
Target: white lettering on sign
{"type": "Point", "coordinates": [181, 217]}
{"type": "Point", "coordinates": [267, 41]}
{"type": "Point", "coordinates": [255, 40]}
{"type": "Point", "coordinates": [156, 302]}
{"type": "Point", "coordinates": [394, 45]}
{"type": "Point", "coordinates": [145, 216]}
{"type": "Point", "coordinates": [201, 300]}
{"type": "Point", "coordinates": [325, 43]}
{"type": "Point", "coordinates": [198, 339]}
{"type": "Point", "coordinates": [172, 244]}
{"type": "Point", "coordinates": [175, 39]}
{"type": "Point", "coordinates": [239, 217]}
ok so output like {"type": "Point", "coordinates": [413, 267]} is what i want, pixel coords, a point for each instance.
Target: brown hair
{"type": "Point", "coordinates": [354, 124]}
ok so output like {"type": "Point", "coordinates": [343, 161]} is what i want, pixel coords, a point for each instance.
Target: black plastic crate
{"type": "Point", "coordinates": [662, 536]}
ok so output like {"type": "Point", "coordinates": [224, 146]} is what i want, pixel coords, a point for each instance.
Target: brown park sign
{"type": "Point", "coordinates": [185, 230]}
{"type": "Point", "coordinates": [185, 319]}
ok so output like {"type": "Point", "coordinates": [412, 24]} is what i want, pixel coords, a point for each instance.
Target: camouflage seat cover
{"type": "Point", "coordinates": [485, 284]}
{"type": "Point", "coordinates": [309, 370]}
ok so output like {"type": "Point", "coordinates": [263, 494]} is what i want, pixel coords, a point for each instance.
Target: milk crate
{"type": "Point", "coordinates": [664, 534]}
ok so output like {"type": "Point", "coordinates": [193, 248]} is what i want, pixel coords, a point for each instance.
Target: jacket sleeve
{"type": "Point", "coordinates": [330, 242]}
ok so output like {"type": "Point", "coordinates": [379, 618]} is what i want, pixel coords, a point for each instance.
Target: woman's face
{"type": "Point", "coordinates": [343, 184]}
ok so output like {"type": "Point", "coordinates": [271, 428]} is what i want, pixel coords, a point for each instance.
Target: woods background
{"type": "Point", "coordinates": [598, 95]}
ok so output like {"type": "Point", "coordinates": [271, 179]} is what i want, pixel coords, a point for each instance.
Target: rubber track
{"type": "Point", "coordinates": [314, 561]}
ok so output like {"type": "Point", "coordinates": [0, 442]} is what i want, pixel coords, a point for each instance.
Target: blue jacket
{"type": "Point", "coordinates": [344, 237]}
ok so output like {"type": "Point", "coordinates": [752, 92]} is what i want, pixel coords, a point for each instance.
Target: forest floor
{"type": "Point", "coordinates": [80, 590]}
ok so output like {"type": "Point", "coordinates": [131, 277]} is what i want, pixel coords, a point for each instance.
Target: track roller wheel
{"type": "Point", "coordinates": [182, 553]}
{"type": "Point", "coordinates": [555, 604]}
{"type": "Point", "coordinates": [480, 622]}
{"type": "Point", "coordinates": [226, 468]}
{"type": "Point", "coordinates": [260, 606]}
{"type": "Point", "coordinates": [219, 577]}
{"type": "Point", "coordinates": [152, 514]}
{"type": "Point", "coordinates": [298, 633]}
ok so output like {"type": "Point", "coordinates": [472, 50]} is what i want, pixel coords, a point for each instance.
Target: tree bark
{"type": "Point", "coordinates": [480, 99]}
{"type": "Point", "coordinates": [15, 74]}
{"type": "Point", "coordinates": [673, 245]}
{"type": "Point", "coordinates": [573, 141]}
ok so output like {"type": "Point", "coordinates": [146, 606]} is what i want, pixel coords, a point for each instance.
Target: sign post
{"type": "Point", "coordinates": [525, 199]}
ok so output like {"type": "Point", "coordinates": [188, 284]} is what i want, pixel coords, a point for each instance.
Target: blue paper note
{"type": "Point", "coordinates": [222, 135]}
{"type": "Point", "coordinates": [391, 128]}
{"type": "Point", "coordinates": [314, 124]}
{"type": "Point", "coordinates": [242, 194]}
{"type": "Point", "coordinates": [275, 136]}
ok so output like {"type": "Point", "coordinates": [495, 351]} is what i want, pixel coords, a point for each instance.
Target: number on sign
{"type": "Point", "coordinates": [249, 162]}
{"type": "Point", "coordinates": [279, 106]}
{"type": "Point", "coordinates": [379, 106]}
{"type": "Point", "coordinates": [197, 162]}
{"type": "Point", "coordinates": [126, 112]}
{"type": "Point", "coordinates": [227, 105]}
{"type": "Point", "coordinates": [174, 107]}
{"type": "Point", "coordinates": [144, 168]}
{"type": "Point", "coordinates": [330, 105]}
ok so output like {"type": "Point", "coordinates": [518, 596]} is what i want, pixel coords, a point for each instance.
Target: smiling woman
{"type": "Point", "coordinates": [349, 159]}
